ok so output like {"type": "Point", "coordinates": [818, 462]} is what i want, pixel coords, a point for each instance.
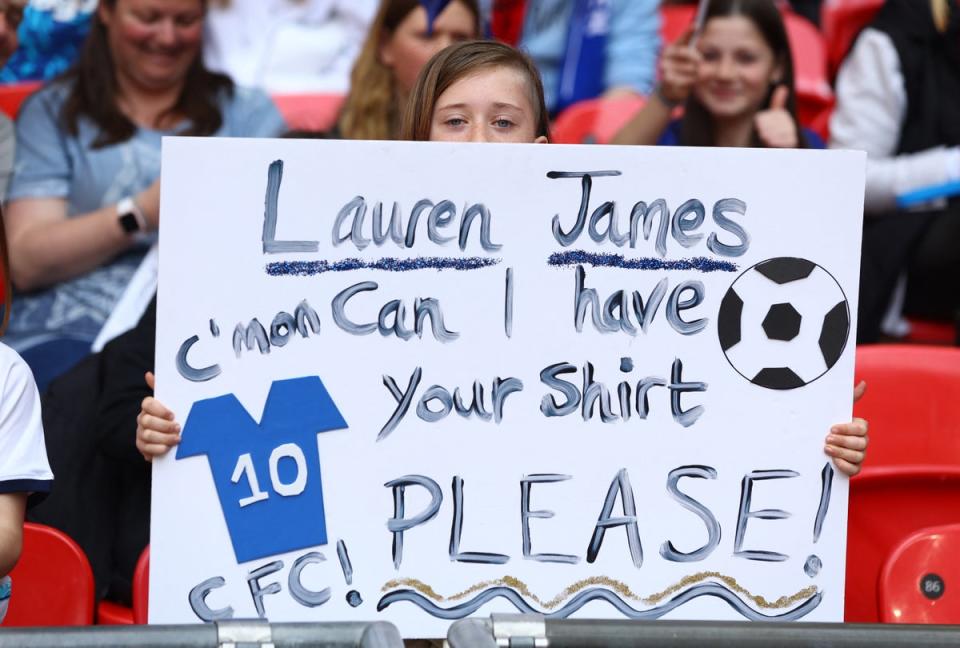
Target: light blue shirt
{"type": "Point", "coordinates": [52, 163]}
{"type": "Point", "coordinates": [633, 43]}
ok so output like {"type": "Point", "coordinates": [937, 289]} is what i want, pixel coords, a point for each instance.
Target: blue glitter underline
{"type": "Point", "coordinates": [578, 257]}
{"type": "Point", "coordinates": [390, 264]}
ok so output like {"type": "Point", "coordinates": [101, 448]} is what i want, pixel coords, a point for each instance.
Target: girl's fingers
{"type": "Point", "coordinates": [151, 450]}
{"type": "Point", "coordinates": [848, 441]}
{"type": "Point", "coordinates": [151, 405]}
{"type": "Point", "coordinates": [847, 468]}
{"type": "Point", "coordinates": [164, 426]}
{"type": "Point", "coordinates": [857, 427]}
{"type": "Point", "coordinates": [859, 390]}
{"type": "Point", "coordinates": [151, 379]}
{"type": "Point", "coordinates": [163, 438]}
{"type": "Point", "coordinates": [850, 456]}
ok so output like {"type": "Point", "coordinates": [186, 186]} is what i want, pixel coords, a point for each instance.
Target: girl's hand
{"type": "Point", "coordinates": [775, 125]}
{"type": "Point", "coordinates": [847, 442]}
{"type": "Point", "coordinates": [157, 431]}
{"type": "Point", "coordinates": [678, 70]}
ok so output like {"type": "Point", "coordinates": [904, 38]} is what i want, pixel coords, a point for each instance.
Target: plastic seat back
{"type": "Point", "coordinates": [594, 121]}
{"type": "Point", "coordinates": [841, 21]}
{"type": "Point", "coordinates": [912, 404]}
{"type": "Point", "coordinates": [52, 582]}
{"type": "Point", "coordinates": [309, 112]}
{"type": "Point", "coordinates": [674, 20]}
{"type": "Point", "coordinates": [141, 587]}
{"type": "Point", "coordinates": [911, 478]}
{"type": "Point", "coordinates": [13, 94]}
{"type": "Point", "coordinates": [920, 581]}
{"type": "Point", "coordinates": [814, 95]}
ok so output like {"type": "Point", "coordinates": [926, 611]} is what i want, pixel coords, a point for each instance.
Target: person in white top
{"type": "Point", "coordinates": [287, 46]}
{"type": "Point", "coordinates": [24, 469]}
{"type": "Point", "coordinates": [897, 97]}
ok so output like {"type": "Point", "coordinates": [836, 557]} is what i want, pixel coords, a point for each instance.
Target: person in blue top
{"type": "Point", "coordinates": [583, 48]}
{"type": "Point", "coordinates": [51, 34]}
{"type": "Point", "coordinates": [735, 81]}
{"type": "Point", "coordinates": [83, 203]}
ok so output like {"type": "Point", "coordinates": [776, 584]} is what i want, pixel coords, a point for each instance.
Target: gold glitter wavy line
{"type": "Point", "coordinates": [619, 587]}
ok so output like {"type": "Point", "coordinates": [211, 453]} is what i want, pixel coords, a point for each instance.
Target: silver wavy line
{"type": "Point", "coordinates": [596, 593]}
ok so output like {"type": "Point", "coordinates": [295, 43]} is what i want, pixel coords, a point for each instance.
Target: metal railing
{"type": "Point", "coordinates": [223, 634]}
{"type": "Point", "coordinates": [532, 631]}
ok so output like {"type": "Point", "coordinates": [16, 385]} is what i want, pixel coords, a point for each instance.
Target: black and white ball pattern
{"type": "Point", "coordinates": [784, 323]}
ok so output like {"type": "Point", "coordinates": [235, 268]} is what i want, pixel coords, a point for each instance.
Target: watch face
{"type": "Point", "coordinates": [129, 224]}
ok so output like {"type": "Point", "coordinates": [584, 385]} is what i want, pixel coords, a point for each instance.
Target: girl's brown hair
{"type": "Point", "coordinates": [93, 92]}
{"type": "Point", "coordinates": [372, 109]}
{"type": "Point", "coordinates": [697, 128]}
{"type": "Point", "coordinates": [459, 61]}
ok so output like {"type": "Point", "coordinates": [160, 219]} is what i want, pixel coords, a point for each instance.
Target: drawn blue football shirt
{"type": "Point", "coordinates": [267, 475]}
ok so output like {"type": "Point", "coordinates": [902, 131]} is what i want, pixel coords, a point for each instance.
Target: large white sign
{"type": "Point", "coordinates": [422, 381]}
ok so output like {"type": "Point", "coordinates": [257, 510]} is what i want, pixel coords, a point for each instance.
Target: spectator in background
{"type": "Point", "coordinates": [289, 46]}
{"type": "Point", "coordinates": [736, 85]}
{"type": "Point", "coordinates": [583, 48]}
{"type": "Point", "coordinates": [23, 463]}
{"type": "Point", "coordinates": [402, 38]}
{"type": "Point", "coordinates": [51, 34]}
{"type": "Point", "coordinates": [24, 469]}
{"type": "Point", "coordinates": [898, 98]}
{"type": "Point", "coordinates": [84, 198]}
{"type": "Point", "coordinates": [11, 12]}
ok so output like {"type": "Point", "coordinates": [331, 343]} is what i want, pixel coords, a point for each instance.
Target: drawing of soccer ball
{"type": "Point", "coordinates": [783, 323]}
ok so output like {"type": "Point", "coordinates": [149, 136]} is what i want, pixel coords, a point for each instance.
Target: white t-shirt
{"type": "Point", "coordinates": [285, 46]}
{"type": "Point", "coordinates": [23, 454]}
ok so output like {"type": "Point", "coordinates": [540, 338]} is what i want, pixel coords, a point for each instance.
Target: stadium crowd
{"type": "Point", "coordinates": [80, 172]}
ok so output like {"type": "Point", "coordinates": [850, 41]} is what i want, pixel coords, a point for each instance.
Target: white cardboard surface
{"type": "Point", "coordinates": [213, 276]}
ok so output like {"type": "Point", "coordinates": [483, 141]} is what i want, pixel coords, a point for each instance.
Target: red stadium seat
{"type": "Point", "coordinates": [911, 478]}
{"type": "Point", "coordinates": [13, 94]}
{"type": "Point", "coordinates": [310, 112]}
{"type": "Point", "coordinates": [141, 587]}
{"type": "Point", "coordinates": [842, 20]}
{"type": "Point", "coordinates": [594, 121]}
{"type": "Point", "coordinates": [814, 94]}
{"type": "Point", "coordinates": [920, 581]}
{"type": "Point", "coordinates": [912, 404]}
{"type": "Point", "coordinates": [52, 582]}
{"type": "Point", "coordinates": [930, 332]}
{"type": "Point", "coordinates": [674, 20]}
{"type": "Point", "coordinates": [111, 613]}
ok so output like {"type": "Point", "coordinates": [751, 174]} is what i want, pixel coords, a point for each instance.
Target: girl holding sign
{"type": "Point", "coordinates": [734, 80]}
{"type": "Point", "coordinates": [479, 92]}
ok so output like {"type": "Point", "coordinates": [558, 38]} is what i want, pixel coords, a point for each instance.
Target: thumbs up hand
{"type": "Point", "coordinates": [775, 125]}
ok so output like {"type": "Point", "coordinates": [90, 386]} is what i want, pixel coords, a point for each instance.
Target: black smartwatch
{"type": "Point", "coordinates": [130, 217]}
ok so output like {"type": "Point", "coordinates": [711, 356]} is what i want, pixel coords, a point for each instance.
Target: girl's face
{"type": "Point", "coordinates": [491, 105]}
{"type": "Point", "coordinates": [153, 42]}
{"type": "Point", "coordinates": [737, 68]}
{"type": "Point", "coordinates": [409, 47]}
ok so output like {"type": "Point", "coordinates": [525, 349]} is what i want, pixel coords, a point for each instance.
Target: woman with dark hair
{"type": "Point", "coordinates": [736, 85]}
{"type": "Point", "coordinates": [84, 198]}
{"type": "Point", "coordinates": [402, 38]}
